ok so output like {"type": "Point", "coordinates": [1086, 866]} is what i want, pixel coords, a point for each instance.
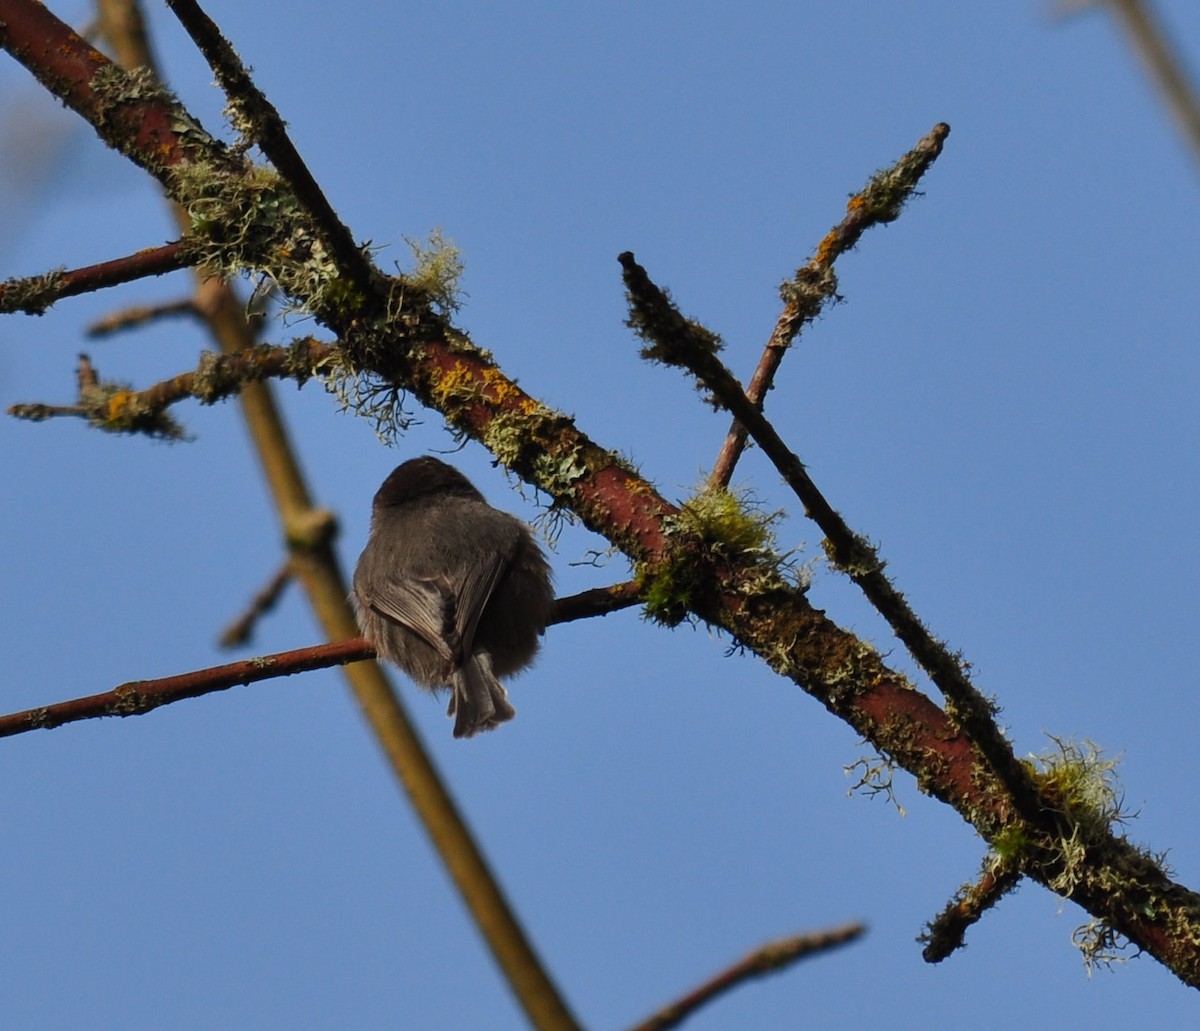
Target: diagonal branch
{"type": "Point", "coordinates": [256, 116]}
{"type": "Point", "coordinates": [948, 929]}
{"type": "Point", "coordinates": [673, 340]}
{"type": "Point", "coordinates": [769, 959]}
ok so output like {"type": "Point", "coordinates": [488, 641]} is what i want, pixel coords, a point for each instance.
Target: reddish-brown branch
{"type": "Point", "coordinates": [599, 601]}
{"type": "Point", "coordinates": [66, 65]}
{"type": "Point", "coordinates": [142, 696]}
{"type": "Point", "coordinates": [34, 294]}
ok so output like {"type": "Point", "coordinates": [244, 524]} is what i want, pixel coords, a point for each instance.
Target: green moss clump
{"type": "Point", "coordinates": [715, 524]}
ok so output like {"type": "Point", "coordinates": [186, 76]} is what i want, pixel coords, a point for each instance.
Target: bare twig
{"type": "Point", "coordinates": [767, 960]}
{"type": "Point", "coordinates": [34, 294]}
{"type": "Point", "coordinates": [142, 696]}
{"type": "Point", "coordinates": [599, 601]}
{"type": "Point", "coordinates": [241, 630]}
{"type": "Point", "coordinates": [815, 284]}
{"type": "Point", "coordinates": [138, 315]}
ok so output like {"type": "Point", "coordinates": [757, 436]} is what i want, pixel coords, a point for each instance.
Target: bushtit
{"type": "Point", "coordinates": [451, 590]}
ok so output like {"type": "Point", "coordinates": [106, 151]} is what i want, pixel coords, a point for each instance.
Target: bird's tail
{"type": "Point", "coordinates": [478, 700]}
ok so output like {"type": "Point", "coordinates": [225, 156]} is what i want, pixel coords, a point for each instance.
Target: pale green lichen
{"type": "Point", "coordinates": [438, 271]}
{"type": "Point", "coordinates": [1100, 945]}
{"type": "Point", "coordinates": [364, 393]}
{"type": "Point", "coordinates": [117, 408]}
{"type": "Point", "coordinates": [876, 776]}
{"type": "Point", "coordinates": [32, 295]}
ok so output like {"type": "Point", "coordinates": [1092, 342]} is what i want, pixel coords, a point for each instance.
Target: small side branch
{"type": "Point", "coordinates": [241, 630]}
{"type": "Point", "coordinates": [815, 284]}
{"type": "Point", "coordinates": [141, 696]}
{"type": "Point", "coordinates": [34, 294]}
{"type": "Point", "coordinates": [117, 408]}
{"type": "Point", "coordinates": [141, 314]}
{"type": "Point", "coordinates": [599, 601]}
{"type": "Point", "coordinates": [948, 929]}
{"type": "Point", "coordinates": [767, 960]}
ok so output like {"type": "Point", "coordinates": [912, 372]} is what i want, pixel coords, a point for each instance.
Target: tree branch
{"type": "Point", "coordinates": [34, 294]}
{"type": "Point", "coordinates": [675, 341]}
{"type": "Point", "coordinates": [412, 348]}
{"type": "Point", "coordinates": [948, 930]}
{"type": "Point", "coordinates": [116, 408]}
{"type": "Point", "coordinates": [769, 959]}
{"type": "Point", "coordinates": [256, 116]}
{"type": "Point", "coordinates": [138, 697]}
{"type": "Point", "coordinates": [140, 314]}
{"type": "Point", "coordinates": [815, 284]}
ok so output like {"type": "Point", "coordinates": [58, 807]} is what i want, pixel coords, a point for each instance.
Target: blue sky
{"type": "Point", "coordinates": [1005, 402]}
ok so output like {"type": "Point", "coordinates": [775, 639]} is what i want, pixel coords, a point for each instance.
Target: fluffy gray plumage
{"type": "Point", "coordinates": [451, 590]}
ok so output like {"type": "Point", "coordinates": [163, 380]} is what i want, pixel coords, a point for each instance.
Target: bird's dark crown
{"type": "Point", "coordinates": [422, 477]}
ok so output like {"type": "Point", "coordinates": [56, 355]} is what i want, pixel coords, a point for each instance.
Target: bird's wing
{"type": "Point", "coordinates": [427, 607]}
{"type": "Point", "coordinates": [476, 587]}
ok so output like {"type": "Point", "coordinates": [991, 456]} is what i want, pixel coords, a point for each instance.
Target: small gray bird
{"type": "Point", "coordinates": [451, 590]}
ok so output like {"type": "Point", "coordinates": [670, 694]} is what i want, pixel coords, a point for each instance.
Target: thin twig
{"type": "Point", "coordinates": [673, 340]}
{"type": "Point", "coordinates": [34, 294]}
{"type": "Point", "coordinates": [946, 932]}
{"type": "Point", "coordinates": [767, 960]}
{"type": "Point", "coordinates": [599, 601]}
{"type": "Point", "coordinates": [138, 315]}
{"type": "Point", "coordinates": [141, 696]}
{"type": "Point", "coordinates": [138, 697]}
{"type": "Point", "coordinates": [241, 630]}
{"type": "Point", "coordinates": [815, 284]}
